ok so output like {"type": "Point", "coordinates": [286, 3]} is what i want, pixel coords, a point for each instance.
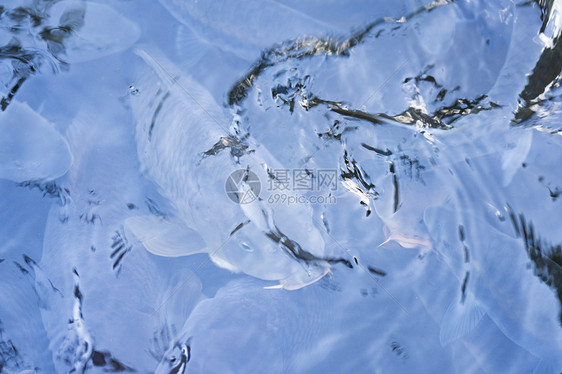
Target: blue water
{"type": "Point", "coordinates": [280, 186]}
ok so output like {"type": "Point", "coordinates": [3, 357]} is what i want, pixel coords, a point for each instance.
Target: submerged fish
{"type": "Point", "coordinates": [245, 27]}
{"type": "Point", "coordinates": [23, 342]}
{"type": "Point", "coordinates": [111, 288]}
{"type": "Point", "coordinates": [184, 145]}
{"type": "Point", "coordinates": [30, 147]}
{"type": "Point", "coordinates": [98, 31]}
{"type": "Point", "coordinates": [246, 329]}
{"type": "Point", "coordinates": [495, 279]}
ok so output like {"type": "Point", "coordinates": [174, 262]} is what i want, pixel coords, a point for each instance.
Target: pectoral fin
{"type": "Point", "coordinates": [165, 237]}
{"type": "Point", "coordinates": [460, 319]}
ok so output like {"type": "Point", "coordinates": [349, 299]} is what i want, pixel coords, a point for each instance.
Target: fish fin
{"type": "Point", "coordinates": [304, 278]}
{"type": "Point", "coordinates": [405, 240]}
{"type": "Point", "coordinates": [30, 147]}
{"type": "Point", "coordinates": [276, 287]}
{"type": "Point", "coordinates": [165, 237]}
{"type": "Point", "coordinates": [165, 71]}
{"type": "Point", "coordinates": [183, 293]}
{"type": "Point", "coordinates": [410, 241]}
{"type": "Point", "coordinates": [547, 367]}
{"type": "Point", "coordinates": [460, 319]}
{"type": "Point", "coordinates": [514, 157]}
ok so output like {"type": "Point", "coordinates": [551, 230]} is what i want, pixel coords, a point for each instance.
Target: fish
{"type": "Point", "coordinates": [247, 27]}
{"type": "Point", "coordinates": [48, 36]}
{"type": "Point", "coordinates": [186, 146]}
{"type": "Point", "coordinates": [23, 341]}
{"type": "Point", "coordinates": [99, 31]}
{"type": "Point", "coordinates": [112, 288]}
{"type": "Point", "coordinates": [31, 149]}
{"type": "Point", "coordinates": [495, 280]}
{"type": "Point", "coordinates": [244, 317]}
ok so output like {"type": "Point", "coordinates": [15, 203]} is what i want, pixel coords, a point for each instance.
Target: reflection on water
{"type": "Point", "coordinates": [193, 187]}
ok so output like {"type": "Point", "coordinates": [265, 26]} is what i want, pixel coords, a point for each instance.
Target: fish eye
{"type": "Point", "coordinates": [245, 246]}
{"type": "Point", "coordinates": [173, 359]}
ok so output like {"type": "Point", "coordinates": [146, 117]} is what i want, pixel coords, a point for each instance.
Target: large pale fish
{"type": "Point", "coordinates": [186, 147]}
{"type": "Point", "coordinates": [496, 278]}
{"type": "Point", "coordinates": [97, 31]}
{"type": "Point", "coordinates": [30, 147]}
{"type": "Point", "coordinates": [55, 33]}
{"type": "Point", "coordinates": [407, 164]}
{"type": "Point", "coordinates": [111, 293]}
{"type": "Point", "coordinates": [245, 328]}
{"type": "Point", "coordinates": [246, 27]}
{"type": "Point", "coordinates": [23, 341]}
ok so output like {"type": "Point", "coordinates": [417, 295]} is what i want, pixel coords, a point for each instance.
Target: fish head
{"type": "Point", "coordinates": [267, 254]}
{"type": "Point", "coordinates": [272, 247]}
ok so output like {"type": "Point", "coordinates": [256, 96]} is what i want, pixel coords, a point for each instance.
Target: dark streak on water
{"type": "Point", "coordinates": [399, 350]}
{"type": "Point", "coordinates": [465, 248]}
{"type": "Point", "coordinates": [239, 227]}
{"type": "Point", "coordinates": [396, 188]}
{"type": "Point", "coordinates": [360, 180]}
{"type": "Point", "coordinates": [21, 268]}
{"type": "Point", "coordinates": [410, 165]}
{"type": "Point", "coordinates": [335, 132]}
{"type": "Point", "coordinates": [237, 147]}
{"type": "Point", "coordinates": [312, 46]}
{"type": "Point", "coordinates": [153, 208]}
{"type": "Point", "coordinates": [461, 233]}
{"type": "Point", "coordinates": [288, 93]}
{"type": "Point", "coordinates": [120, 247]}
{"type": "Point", "coordinates": [50, 189]}
{"type": "Point", "coordinates": [546, 258]}
{"type": "Point", "coordinates": [442, 118]}
{"type": "Point", "coordinates": [98, 358]}
{"type": "Point", "coordinates": [554, 193]}
{"type": "Point", "coordinates": [546, 9]}
{"type": "Point", "coordinates": [155, 114]}
{"type": "Point", "coordinates": [463, 287]}
{"type": "Point", "coordinates": [105, 359]}
{"type": "Point", "coordinates": [8, 99]}
{"type": "Point", "coordinates": [424, 77]}
{"type": "Point", "coordinates": [28, 21]}
{"type": "Point", "coordinates": [9, 355]}
{"type": "Point", "coordinates": [376, 271]}
{"type": "Point", "coordinates": [296, 251]}
{"type": "Point", "coordinates": [545, 72]}
{"type": "Point", "coordinates": [466, 254]}
{"type": "Point", "coordinates": [387, 152]}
